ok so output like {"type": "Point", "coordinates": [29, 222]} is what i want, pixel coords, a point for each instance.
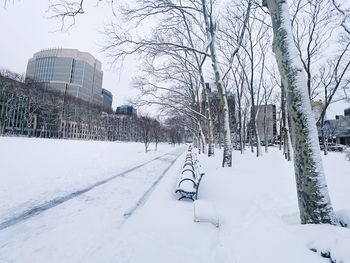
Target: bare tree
{"type": "Point", "coordinates": [314, 201]}
{"type": "Point", "coordinates": [252, 63]}
{"type": "Point", "coordinates": [156, 133]}
{"type": "Point", "coordinates": [313, 27]}
{"type": "Point", "coordinates": [344, 16]}
{"type": "Point", "coordinates": [145, 124]}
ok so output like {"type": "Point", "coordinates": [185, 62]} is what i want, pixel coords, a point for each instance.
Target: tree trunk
{"type": "Point", "coordinates": [251, 137]}
{"type": "Point", "coordinates": [324, 142]}
{"type": "Point", "coordinates": [240, 124]}
{"type": "Point", "coordinates": [208, 115]}
{"type": "Point", "coordinates": [255, 129]}
{"type": "Point", "coordinates": [201, 139]}
{"type": "Point", "coordinates": [281, 128]}
{"type": "Point", "coordinates": [244, 130]}
{"type": "Point", "coordinates": [210, 32]}
{"type": "Point", "coordinates": [266, 129]}
{"type": "Point", "coordinates": [285, 131]}
{"type": "Point", "coordinates": [314, 201]}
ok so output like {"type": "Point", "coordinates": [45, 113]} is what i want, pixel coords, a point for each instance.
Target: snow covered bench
{"type": "Point", "coordinates": [190, 178]}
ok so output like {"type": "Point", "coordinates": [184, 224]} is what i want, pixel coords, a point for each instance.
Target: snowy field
{"type": "Point", "coordinates": [85, 201]}
{"type": "Point", "coordinates": [34, 170]}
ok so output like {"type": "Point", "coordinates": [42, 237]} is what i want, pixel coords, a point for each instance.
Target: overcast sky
{"type": "Point", "coordinates": [26, 29]}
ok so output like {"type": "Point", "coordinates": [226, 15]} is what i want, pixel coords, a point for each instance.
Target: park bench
{"type": "Point", "coordinates": [190, 178]}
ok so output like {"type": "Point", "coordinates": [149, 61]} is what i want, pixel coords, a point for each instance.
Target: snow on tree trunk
{"type": "Point", "coordinates": [240, 130]}
{"type": "Point", "coordinates": [314, 201]}
{"type": "Point", "coordinates": [210, 32]}
{"type": "Point", "coordinates": [266, 130]}
{"type": "Point", "coordinates": [195, 142]}
{"type": "Point", "coordinates": [255, 129]}
{"type": "Point", "coordinates": [199, 146]}
{"type": "Point", "coordinates": [208, 115]}
{"type": "Point", "coordinates": [258, 143]}
{"type": "Point", "coordinates": [201, 138]}
{"type": "Point", "coordinates": [324, 143]}
{"type": "Point", "coordinates": [285, 131]}
{"type": "Point", "coordinates": [227, 152]}
{"type": "Point", "coordinates": [210, 131]}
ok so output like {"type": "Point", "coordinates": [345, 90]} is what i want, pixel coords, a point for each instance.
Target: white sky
{"type": "Point", "coordinates": [25, 29]}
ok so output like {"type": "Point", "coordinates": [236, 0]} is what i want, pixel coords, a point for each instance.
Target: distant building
{"type": "Point", "coordinates": [107, 98]}
{"type": "Point", "coordinates": [216, 111]}
{"type": "Point", "coordinates": [266, 120]}
{"type": "Point", "coordinates": [126, 110]}
{"type": "Point", "coordinates": [338, 129]}
{"type": "Point", "coordinates": [68, 71]}
{"type": "Point", "coordinates": [347, 112]}
{"type": "Point", "coordinates": [317, 108]}
{"type": "Point", "coordinates": [47, 115]}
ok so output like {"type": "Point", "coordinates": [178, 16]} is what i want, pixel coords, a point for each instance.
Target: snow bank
{"type": "Point", "coordinates": [344, 217]}
{"type": "Point", "coordinates": [257, 203]}
{"type": "Point", "coordinates": [204, 211]}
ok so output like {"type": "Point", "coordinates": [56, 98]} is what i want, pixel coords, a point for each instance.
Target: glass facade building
{"type": "Point", "coordinates": [126, 110]}
{"type": "Point", "coordinates": [68, 71]}
{"type": "Point", "coordinates": [107, 99]}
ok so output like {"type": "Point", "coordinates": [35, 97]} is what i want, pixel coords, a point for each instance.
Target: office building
{"type": "Point", "coordinates": [338, 129]}
{"type": "Point", "coordinates": [126, 110]}
{"type": "Point", "coordinates": [68, 71]}
{"type": "Point", "coordinates": [107, 99]}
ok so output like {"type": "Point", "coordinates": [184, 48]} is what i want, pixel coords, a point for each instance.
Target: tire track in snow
{"type": "Point", "coordinates": [36, 210]}
{"type": "Point", "coordinates": [147, 193]}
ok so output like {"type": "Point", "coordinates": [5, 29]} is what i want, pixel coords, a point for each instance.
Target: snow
{"type": "Point", "coordinates": [136, 217]}
{"type": "Point", "coordinates": [204, 211]}
{"type": "Point", "coordinates": [344, 216]}
{"type": "Point", "coordinates": [35, 170]}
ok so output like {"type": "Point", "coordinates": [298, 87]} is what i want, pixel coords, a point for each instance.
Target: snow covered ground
{"type": "Point", "coordinates": [125, 210]}
{"type": "Point", "coordinates": [35, 170]}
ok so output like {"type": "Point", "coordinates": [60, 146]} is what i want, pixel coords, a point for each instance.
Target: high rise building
{"type": "Point", "coordinates": [68, 71]}
{"type": "Point", "coordinates": [107, 99]}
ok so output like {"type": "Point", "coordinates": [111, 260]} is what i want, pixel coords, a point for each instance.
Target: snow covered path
{"type": "Point", "coordinates": [74, 227]}
{"type": "Point", "coordinates": [42, 207]}
{"type": "Point", "coordinates": [33, 171]}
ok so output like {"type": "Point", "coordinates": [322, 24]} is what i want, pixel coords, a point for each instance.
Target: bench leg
{"type": "Point", "coordinates": [183, 197]}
